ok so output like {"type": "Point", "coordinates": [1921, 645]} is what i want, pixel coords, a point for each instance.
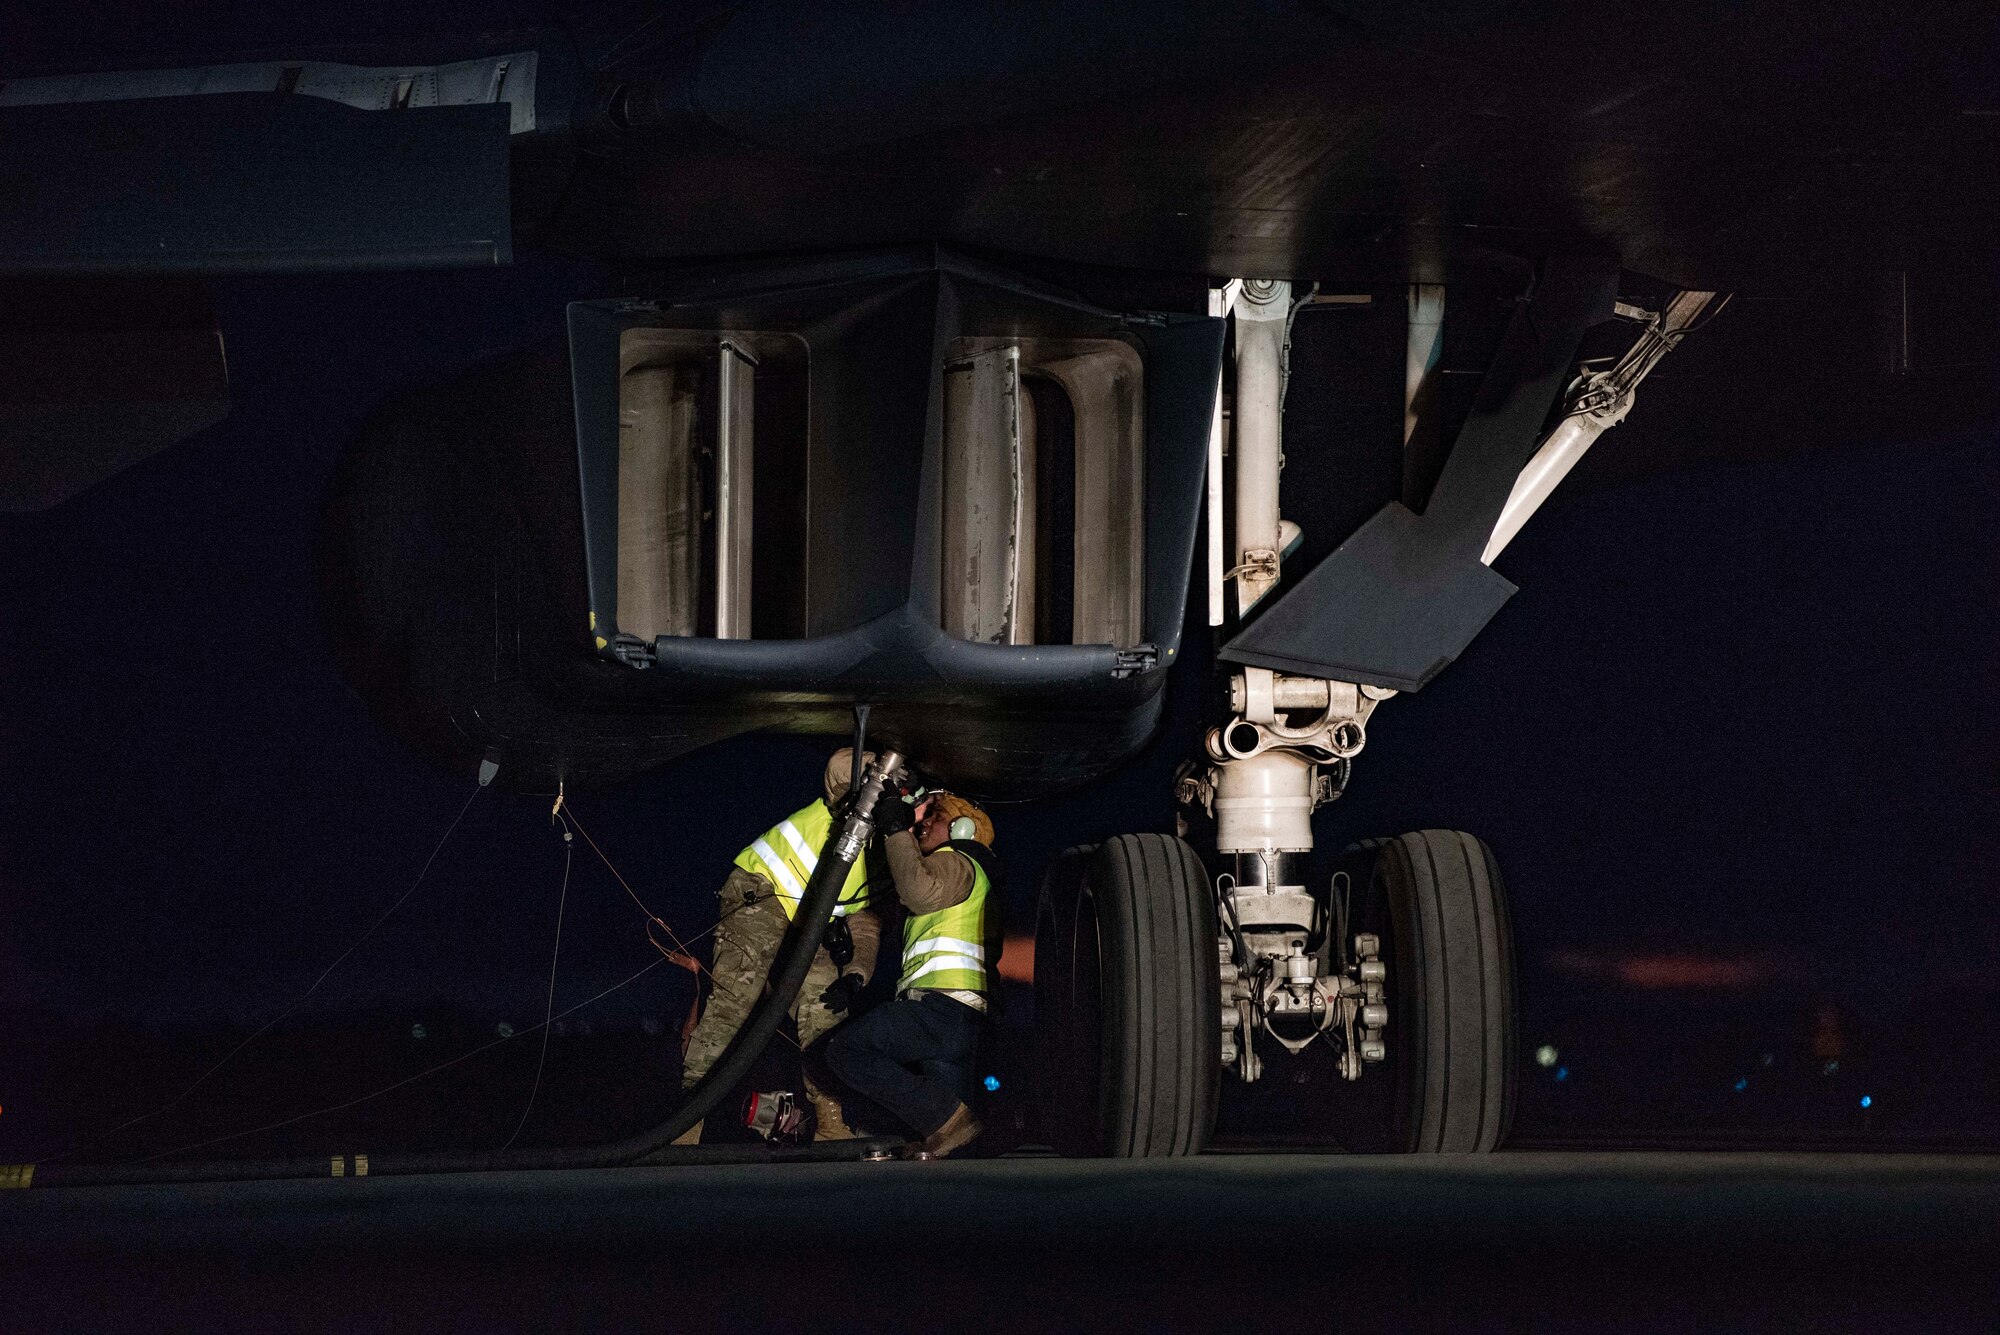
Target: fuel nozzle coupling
{"type": "Point", "coordinates": [860, 825]}
{"type": "Point", "coordinates": [777, 1115]}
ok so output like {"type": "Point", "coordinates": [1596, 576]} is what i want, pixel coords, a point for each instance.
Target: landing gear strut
{"type": "Point", "coordinates": [1150, 981]}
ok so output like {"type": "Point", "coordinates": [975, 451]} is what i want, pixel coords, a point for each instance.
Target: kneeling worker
{"type": "Point", "coordinates": [914, 1055]}
{"type": "Point", "coordinates": [758, 902]}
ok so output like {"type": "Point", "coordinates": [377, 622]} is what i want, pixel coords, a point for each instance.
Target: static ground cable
{"type": "Point", "coordinates": [26, 1171]}
{"type": "Point", "coordinates": [234, 1170]}
{"type": "Point", "coordinates": [549, 1008]}
{"type": "Point", "coordinates": [680, 956]}
{"type": "Point", "coordinates": [844, 844]}
{"type": "Point", "coordinates": [484, 778]}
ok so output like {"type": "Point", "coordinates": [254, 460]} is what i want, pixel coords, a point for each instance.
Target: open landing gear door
{"type": "Point", "coordinates": [1403, 597]}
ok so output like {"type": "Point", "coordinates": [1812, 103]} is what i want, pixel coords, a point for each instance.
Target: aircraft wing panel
{"type": "Point", "coordinates": [249, 182]}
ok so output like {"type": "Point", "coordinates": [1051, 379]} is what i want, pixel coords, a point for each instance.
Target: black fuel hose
{"type": "Point", "coordinates": [815, 911]}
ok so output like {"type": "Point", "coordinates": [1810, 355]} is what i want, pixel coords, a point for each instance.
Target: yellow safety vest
{"type": "Point", "coordinates": [786, 854]}
{"type": "Point", "coordinates": [954, 948]}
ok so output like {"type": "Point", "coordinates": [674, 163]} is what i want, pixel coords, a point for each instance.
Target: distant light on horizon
{"type": "Point", "coordinates": [1672, 969]}
{"type": "Point", "coordinates": [1546, 1055]}
{"type": "Point", "coordinates": [1017, 958]}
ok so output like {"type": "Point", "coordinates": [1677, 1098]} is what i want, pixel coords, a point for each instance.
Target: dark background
{"type": "Point", "coordinates": [1733, 744]}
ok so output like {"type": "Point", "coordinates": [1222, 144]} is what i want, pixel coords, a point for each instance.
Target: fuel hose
{"type": "Point", "coordinates": [844, 845]}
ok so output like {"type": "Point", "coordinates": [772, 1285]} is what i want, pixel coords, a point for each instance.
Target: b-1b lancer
{"type": "Point", "coordinates": [942, 368]}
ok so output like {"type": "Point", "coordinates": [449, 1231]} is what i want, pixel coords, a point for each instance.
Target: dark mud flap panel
{"type": "Point", "coordinates": [902, 477]}
{"type": "Point", "coordinates": [251, 182]}
{"type": "Point", "coordinates": [1400, 599]}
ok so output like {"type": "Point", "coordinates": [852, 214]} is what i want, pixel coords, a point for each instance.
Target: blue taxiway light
{"type": "Point", "coordinates": [992, 1083]}
{"type": "Point", "coordinates": [1742, 1085]}
{"type": "Point", "coordinates": [1867, 1100]}
{"type": "Point", "coordinates": [1562, 1072]}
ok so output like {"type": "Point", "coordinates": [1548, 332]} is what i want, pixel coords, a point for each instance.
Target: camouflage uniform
{"type": "Point", "coordinates": [747, 941]}
{"type": "Point", "coordinates": [746, 945]}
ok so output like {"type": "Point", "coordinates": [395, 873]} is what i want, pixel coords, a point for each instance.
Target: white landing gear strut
{"type": "Point", "coordinates": [1289, 969]}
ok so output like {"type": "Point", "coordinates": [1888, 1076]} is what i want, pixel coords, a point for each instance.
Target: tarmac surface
{"type": "Point", "coordinates": [1517, 1241]}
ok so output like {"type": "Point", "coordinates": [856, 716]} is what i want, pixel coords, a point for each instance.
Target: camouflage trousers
{"type": "Point", "coordinates": [746, 946]}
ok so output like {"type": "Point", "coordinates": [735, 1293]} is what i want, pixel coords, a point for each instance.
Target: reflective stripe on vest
{"type": "Point", "coordinates": [948, 949]}
{"type": "Point", "coordinates": [786, 854]}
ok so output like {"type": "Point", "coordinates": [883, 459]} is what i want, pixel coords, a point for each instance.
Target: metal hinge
{"type": "Point", "coordinates": [1131, 662]}
{"type": "Point", "coordinates": [632, 651]}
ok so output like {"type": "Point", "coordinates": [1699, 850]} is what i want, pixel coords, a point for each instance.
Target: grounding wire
{"type": "Point", "coordinates": [548, 1009]}
{"type": "Point", "coordinates": [303, 997]}
{"type": "Point", "coordinates": [684, 957]}
{"type": "Point", "coordinates": [409, 1080]}
{"type": "Point", "coordinates": [569, 813]}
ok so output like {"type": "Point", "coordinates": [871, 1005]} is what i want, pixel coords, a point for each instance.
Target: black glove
{"type": "Point", "coordinates": [893, 815]}
{"type": "Point", "coordinates": [842, 993]}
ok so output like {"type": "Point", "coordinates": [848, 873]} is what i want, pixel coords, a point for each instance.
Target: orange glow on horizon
{"type": "Point", "coordinates": [1017, 959]}
{"type": "Point", "coordinates": [1670, 969]}
{"type": "Point", "coordinates": [1662, 971]}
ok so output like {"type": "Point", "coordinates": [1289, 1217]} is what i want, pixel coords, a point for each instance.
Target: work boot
{"type": "Point", "coordinates": [831, 1122]}
{"type": "Point", "coordinates": [959, 1130]}
{"type": "Point", "coordinates": [691, 1136]}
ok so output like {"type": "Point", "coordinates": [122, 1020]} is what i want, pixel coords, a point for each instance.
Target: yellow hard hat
{"type": "Point", "coordinates": [956, 808]}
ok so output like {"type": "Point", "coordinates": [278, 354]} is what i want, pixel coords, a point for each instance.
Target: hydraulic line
{"type": "Point", "coordinates": [815, 911]}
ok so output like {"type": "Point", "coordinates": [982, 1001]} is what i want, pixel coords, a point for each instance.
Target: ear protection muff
{"type": "Point", "coordinates": [963, 828]}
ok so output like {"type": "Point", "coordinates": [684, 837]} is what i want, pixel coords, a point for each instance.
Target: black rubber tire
{"type": "Point", "coordinates": [1067, 1008]}
{"type": "Point", "coordinates": [1451, 984]}
{"type": "Point", "coordinates": [1128, 1001]}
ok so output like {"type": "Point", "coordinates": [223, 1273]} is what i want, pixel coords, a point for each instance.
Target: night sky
{"type": "Point", "coordinates": [1733, 743]}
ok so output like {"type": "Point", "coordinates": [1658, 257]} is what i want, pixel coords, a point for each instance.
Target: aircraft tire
{"type": "Point", "coordinates": [1128, 998]}
{"type": "Point", "coordinates": [1452, 996]}
{"type": "Point", "coordinates": [1066, 1008]}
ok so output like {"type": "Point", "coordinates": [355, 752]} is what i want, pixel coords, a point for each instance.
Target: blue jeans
{"type": "Point", "coordinates": [913, 1056]}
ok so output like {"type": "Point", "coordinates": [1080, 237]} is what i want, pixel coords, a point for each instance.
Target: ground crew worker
{"type": "Point", "coordinates": [758, 902]}
{"type": "Point", "coordinates": [914, 1056]}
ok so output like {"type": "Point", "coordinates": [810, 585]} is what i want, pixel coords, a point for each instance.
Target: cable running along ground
{"type": "Point", "coordinates": [409, 1080]}
{"type": "Point", "coordinates": [549, 1009]}
{"type": "Point", "coordinates": [567, 813]}
{"type": "Point", "coordinates": [680, 954]}
{"type": "Point", "coordinates": [303, 997]}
